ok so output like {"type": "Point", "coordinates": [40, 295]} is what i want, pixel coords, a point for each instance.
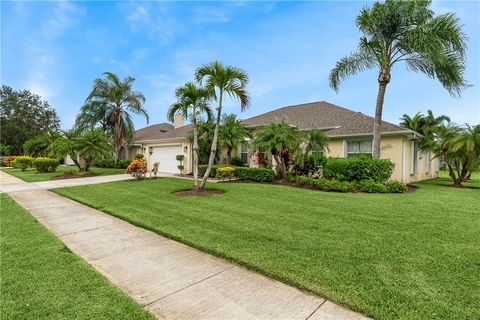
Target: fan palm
{"type": "Point", "coordinates": [192, 102]}
{"type": "Point", "coordinates": [110, 102]}
{"type": "Point", "coordinates": [220, 80]}
{"type": "Point", "coordinates": [396, 31]}
{"type": "Point", "coordinates": [281, 140]}
{"type": "Point", "coordinates": [232, 133]}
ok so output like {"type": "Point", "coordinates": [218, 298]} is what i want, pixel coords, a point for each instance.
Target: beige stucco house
{"type": "Point", "coordinates": [350, 134]}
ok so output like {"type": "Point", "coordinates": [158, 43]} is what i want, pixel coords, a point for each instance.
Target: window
{"type": "Point", "coordinates": [359, 147]}
{"type": "Point", "coordinates": [244, 154]}
{"type": "Point", "coordinates": [413, 157]}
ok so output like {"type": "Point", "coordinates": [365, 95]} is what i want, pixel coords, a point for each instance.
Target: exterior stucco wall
{"type": "Point", "coordinates": [397, 149]}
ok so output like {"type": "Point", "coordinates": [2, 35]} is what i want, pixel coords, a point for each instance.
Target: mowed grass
{"type": "Point", "coordinates": [31, 175]}
{"type": "Point", "coordinates": [397, 256]}
{"type": "Point", "coordinates": [42, 279]}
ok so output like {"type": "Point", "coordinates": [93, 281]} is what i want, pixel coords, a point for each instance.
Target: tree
{"type": "Point", "coordinates": [220, 80]}
{"type": "Point", "coordinates": [459, 147]}
{"type": "Point", "coordinates": [192, 101]}
{"type": "Point", "coordinates": [67, 144]}
{"type": "Point", "coordinates": [425, 125]}
{"type": "Point", "coordinates": [39, 146]}
{"type": "Point", "coordinates": [315, 144]}
{"type": "Point", "coordinates": [23, 116]}
{"type": "Point", "coordinates": [93, 144]}
{"type": "Point", "coordinates": [396, 31]}
{"type": "Point", "coordinates": [206, 130]}
{"type": "Point", "coordinates": [282, 141]}
{"type": "Point", "coordinates": [109, 104]}
{"type": "Point", "coordinates": [232, 134]}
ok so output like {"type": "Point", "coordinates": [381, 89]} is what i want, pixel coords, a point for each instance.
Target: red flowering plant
{"type": "Point", "coordinates": [137, 168]}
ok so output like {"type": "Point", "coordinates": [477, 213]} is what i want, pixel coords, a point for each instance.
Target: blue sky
{"type": "Point", "coordinates": [57, 49]}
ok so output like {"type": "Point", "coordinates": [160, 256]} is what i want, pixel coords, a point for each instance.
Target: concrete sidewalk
{"type": "Point", "coordinates": [168, 278]}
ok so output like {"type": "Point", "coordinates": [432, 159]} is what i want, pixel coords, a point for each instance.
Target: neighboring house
{"type": "Point", "coordinates": [350, 134]}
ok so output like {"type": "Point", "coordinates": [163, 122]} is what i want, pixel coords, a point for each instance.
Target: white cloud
{"type": "Point", "coordinates": [141, 54]}
{"type": "Point", "coordinates": [211, 14]}
{"type": "Point", "coordinates": [65, 15]}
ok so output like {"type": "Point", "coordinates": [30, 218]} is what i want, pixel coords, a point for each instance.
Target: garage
{"type": "Point", "coordinates": [166, 155]}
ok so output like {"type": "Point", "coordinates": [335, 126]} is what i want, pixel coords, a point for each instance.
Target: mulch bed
{"type": "Point", "coordinates": [199, 193]}
{"type": "Point", "coordinates": [73, 176]}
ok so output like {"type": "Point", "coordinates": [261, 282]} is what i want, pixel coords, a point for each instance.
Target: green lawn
{"type": "Point", "coordinates": [42, 279]}
{"type": "Point", "coordinates": [397, 256]}
{"type": "Point", "coordinates": [30, 175]}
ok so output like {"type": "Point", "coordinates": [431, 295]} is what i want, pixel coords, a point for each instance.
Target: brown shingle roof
{"type": "Point", "coordinates": [337, 121]}
{"type": "Point", "coordinates": [180, 132]}
{"type": "Point", "coordinates": [152, 130]}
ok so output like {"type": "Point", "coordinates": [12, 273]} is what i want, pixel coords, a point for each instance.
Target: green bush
{"type": "Point", "coordinates": [371, 186]}
{"type": "Point", "coordinates": [180, 157]}
{"type": "Point", "coordinates": [106, 163]}
{"type": "Point", "coordinates": [139, 156]}
{"type": "Point", "coordinates": [358, 169]}
{"type": "Point", "coordinates": [236, 162]}
{"type": "Point", "coordinates": [225, 172]}
{"type": "Point", "coordinates": [333, 185]}
{"type": "Point", "coordinates": [74, 172]}
{"type": "Point", "coordinates": [46, 164]}
{"type": "Point", "coordinates": [395, 187]}
{"type": "Point", "coordinates": [255, 174]}
{"type": "Point", "coordinates": [23, 162]}
{"type": "Point", "coordinates": [123, 164]}
{"type": "Point", "coordinates": [202, 168]}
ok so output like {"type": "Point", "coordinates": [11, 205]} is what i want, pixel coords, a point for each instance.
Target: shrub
{"type": "Point", "coordinates": [8, 161]}
{"type": "Point", "coordinates": [371, 186]}
{"type": "Point", "coordinates": [181, 167]}
{"type": "Point", "coordinates": [236, 162]}
{"type": "Point", "coordinates": [255, 174]}
{"type": "Point", "coordinates": [395, 187]}
{"type": "Point", "coordinates": [139, 156]}
{"type": "Point", "coordinates": [124, 163]}
{"type": "Point", "coordinates": [23, 162]}
{"type": "Point", "coordinates": [203, 168]}
{"type": "Point", "coordinates": [74, 172]}
{"type": "Point", "coordinates": [225, 172]}
{"type": "Point", "coordinates": [333, 185]}
{"type": "Point", "coordinates": [46, 164]}
{"type": "Point", "coordinates": [137, 168]}
{"type": "Point", "coordinates": [106, 163]}
{"type": "Point", "coordinates": [358, 169]}
{"type": "Point", "coordinates": [180, 157]}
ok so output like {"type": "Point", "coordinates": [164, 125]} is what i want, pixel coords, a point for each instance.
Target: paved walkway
{"type": "Point", "coordinates": [168, 278]}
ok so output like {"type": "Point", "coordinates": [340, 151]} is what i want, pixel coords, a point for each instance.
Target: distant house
{"type": "Point", "coordinates": [350, 134]}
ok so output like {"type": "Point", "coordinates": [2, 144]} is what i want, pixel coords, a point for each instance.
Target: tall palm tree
{"type": "Point", "coordinates": [232, 133]}
{"type": "Point", "coordinates": [220, 80]}
{"type": "Point", "coordinates": [192, 102]}
{"type": "Point", "coordinates": [281, 140]}
{"type": "Point", "coordinates": [395, 31]}
{"type": "Point", "coordinates": [110, 101]}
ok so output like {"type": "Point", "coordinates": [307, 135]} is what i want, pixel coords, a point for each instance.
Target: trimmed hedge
{"type": "Point", "coordinates": [243, 173]}
{"type": "Point", "coordinates": [22, 162]}
{"type": "Point", "coordinates": [124, 163]}
{"type": "Point", "coordinates": [254, 174]}
{"type": "Point", "coordinates": [226, 172]}
{"type": "Point", "coordinates": [106, 163]}
{"type": "Point", "coordinates": [368, 186]}
{"type": "Point", "coordinates": [46, 164]}
{"type": "Point", "coordinates": [358, 169]}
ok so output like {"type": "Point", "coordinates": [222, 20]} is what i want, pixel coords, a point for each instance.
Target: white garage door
{"type": "Point", "coordinates": [166, 156]}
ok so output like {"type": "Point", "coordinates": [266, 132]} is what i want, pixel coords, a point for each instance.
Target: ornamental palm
{"type": "Point", "coordinates": [93, 144]}
{"type": "Point", "coordinates": [281, 140]}
{"type": "Point", "coordinates": [408, 31]}
{"type": "Point", "coordinates": [414, 123]}
{"type": "Point", "coordinates": [232, 133]}
{"type": "Point", "coordinates": [67, 144]}
{"type": "Point", "coordinates": [220, 80]}
{"type": "Point", "coordinates": [111, 100]}
{"type": "Point", "coordinates": [192, 102]}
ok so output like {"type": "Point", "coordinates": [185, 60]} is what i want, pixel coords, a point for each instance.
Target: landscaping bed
{"type": "Point", "coordinates": [43, 279]}
{"type": "Point", "coordinates": [31, 175]}
{"type": "Point", "coordinates": [389, 256]}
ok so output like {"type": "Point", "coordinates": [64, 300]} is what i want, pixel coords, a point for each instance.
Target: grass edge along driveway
{"type": "Point", "coordinates": [42, 279]}
{"type": "Point", "coordinates": [31, 175]}
{"type": "Point", "coordinates": [390, 256]}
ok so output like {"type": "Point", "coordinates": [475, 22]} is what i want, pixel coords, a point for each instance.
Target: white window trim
{"type": "Point", "coordinates": [413, 158]}
{"type": "Point", "coordinates": [345, 147]}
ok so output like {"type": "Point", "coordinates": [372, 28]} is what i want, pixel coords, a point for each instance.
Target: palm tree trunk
{"type": "Point", "coordinates": [377, 130]}
{"type": "Point", "coordinates": [195, 153]}
{"type": "Point", "coordinates": [229, 155]}
{"type": "Point", "coordinates": [117, 138]}
{"type": "Point", "coordinates": [74, 159]}
{"type": "Point", "coordinates": [213, 149]}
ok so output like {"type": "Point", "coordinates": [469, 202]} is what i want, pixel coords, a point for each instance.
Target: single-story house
{"type": "Point", "coordinates": [350, 133]}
